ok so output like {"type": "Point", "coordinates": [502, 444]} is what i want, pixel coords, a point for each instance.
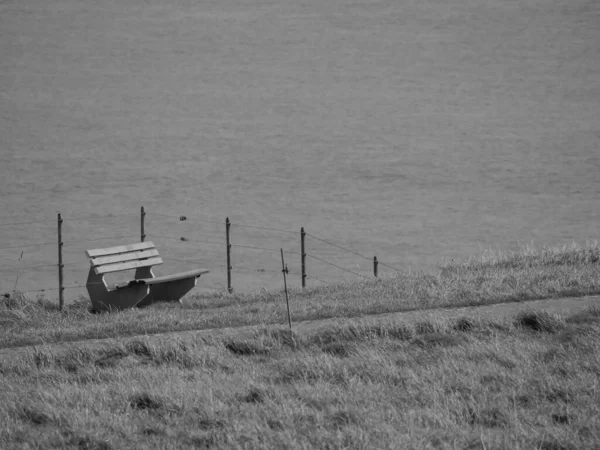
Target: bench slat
{"type": "Point", "coordinates": [119, 249]}
{"type": "Point", "coordinates": [107, 268]}
{"type": "Point", "coordinates": [123, 257]}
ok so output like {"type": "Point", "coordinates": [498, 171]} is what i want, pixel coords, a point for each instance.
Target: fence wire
{"type": "Point", "coordinates": [26, 223]}
{"type": "Point", "coordinates": [51, 289]}
{"type": "Point", "coordinates": [350, 251]}
{"type": "Point", "coordinates": [251, 247]}
{"type": "Point", "coordinates": [317, 279]}
{"type": "Point", "coordinates": [187, 261]}
{"type": "Point", "coordinates": [255, 227]}
{"type": "Point", "coordinates": [81, 241]}
{"type": "Point", "coordinates": [184, 218]}
{"type": "Point", "coordinates": [340, 247]}
{"type": "Point", "coordinates": [21, 269]}
{"type": "Point", "coordinates": [40, 244]}
{"type": "Point", "coordinates": [109, 216]}
{"type": "Point", "coordinates": [185, 239]}
{"type": "Point", "coordinates": [247, 242]}
{"type": "Point", "coordinates": [335, 265]}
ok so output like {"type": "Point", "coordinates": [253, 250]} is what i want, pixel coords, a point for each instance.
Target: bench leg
{"type": "Point", "coordinates": [143, 273]}
{"type": "Point", "coordinates": [118, 299]}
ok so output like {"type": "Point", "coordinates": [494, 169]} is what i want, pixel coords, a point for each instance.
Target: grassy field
{"type": "Point", "coordinates": [413, 130]}
{"type": "Point", "coordinates": [525, 382]}
{"type": "Point", "coordinates": [528, 383]}
{"type": "Point", "coordinates": [488, 278]}
{"type": "Point", "coordinates": [410, 130]}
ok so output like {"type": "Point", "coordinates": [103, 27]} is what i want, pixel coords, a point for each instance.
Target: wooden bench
{"type": "Point", "coordinates": [145, 288]}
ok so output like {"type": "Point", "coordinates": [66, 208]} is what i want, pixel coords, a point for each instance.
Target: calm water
{"type": "Point", "coordinates": [414, 131]}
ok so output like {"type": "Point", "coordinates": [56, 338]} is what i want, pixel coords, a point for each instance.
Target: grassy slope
{"type": "Point", "coordinates": [485, 279]}
{"type": "Point", "coordinates": [529, 383]}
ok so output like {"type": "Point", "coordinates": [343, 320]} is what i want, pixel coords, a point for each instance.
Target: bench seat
{"type": "Point", "coordinates": [158, 280]}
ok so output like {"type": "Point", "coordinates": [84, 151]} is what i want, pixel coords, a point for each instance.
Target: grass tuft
{"type": "Point", "coordinates": [153, 431]}
{"type": "Point", "coordinates": [85, 442]}
{"type": "Point", "coordinates": [524, 400]}
{"type": "Point", "coordinates": [110, 359]}
{"type": "Point", "coordinates": [528, 257]}
{"type": "Point", "coordinates": [284, 337]}
{"type": "Point", "coordinates": [464, 324]}
{"type": "Point", "coordinates": [139, 348]}
{"type": "Point", "coordinates": [592, 315]}
{"type": "Point", "coordinates": [557, 394]}
{"type": "Point", "coordinates": [35, 415]}
{"type": "Point", "coordinates": [425, 328]}
{"type": "Point", "coordinates": [428, 340]}
{"type": "Point", "coordinates": [540, 321]}
{"type": "Point", "coordinates": [13, 300]}
{"type": "Point", "coordinates": [209, 424]}
{"type": "Point", "coordinates": [145, 401]}
{"type": "Point", "coordinates": [551, 443]}
{"type": "Point", "coordinates": [341, 419]}
{"type": "Point", "coordinates": [254, 396]}
{"type": "Point", "coordinates": [563, 419]}
{"type": "Point", "coordinates": [339, 349]}
{"type": "Point", "coordinates": [275, 424]}
{"type": "Point", "coordinates": [246, 348]}
{"type": "Point", "coordinates": [490, 417]}
{"type": "Point", "coordinates": [12, 318]}
{"type": "Point", "coordinates": [358, 332]}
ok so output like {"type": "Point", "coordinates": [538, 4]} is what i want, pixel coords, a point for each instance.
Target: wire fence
{"type": "Point", "coordinates": [241, 257]}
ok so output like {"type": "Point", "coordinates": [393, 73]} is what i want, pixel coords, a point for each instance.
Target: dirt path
{"type": "Point", "coordinates": [562, 306]}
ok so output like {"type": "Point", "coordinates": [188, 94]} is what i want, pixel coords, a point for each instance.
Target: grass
{"type": "Point", "coordinates": [489, 278]}
{"type": "Point", "coordinates": [527, 383]}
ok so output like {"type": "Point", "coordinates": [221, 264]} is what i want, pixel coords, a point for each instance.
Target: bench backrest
{"type": "Point", "coordinates": [123, 257]}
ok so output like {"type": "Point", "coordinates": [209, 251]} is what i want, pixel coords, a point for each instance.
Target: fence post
{"type": "Point", "coordinates": [228, 242]}
{"type": "Point", "coordinates": [61, 300]}
{"type": "Point", "coordinates": [303, 256]}
{"type": "Point", "coordinates": [142, 228]}
{"type": "Point", "coordinates": [375, 265]}
{"type": "Point", "coordinates": [285, 271]}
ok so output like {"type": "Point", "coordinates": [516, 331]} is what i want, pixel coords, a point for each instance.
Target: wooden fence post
{"type": "Point", "coordinates": [142, 228]}
{"type": "Point", "coordinates": [228, 242]}
{"type": "Point", "coordinates": [61, 300]}
{"type": "Point", "coordinates": [285, 271]}
{"type": "Point", "coordinates": [303, 256]}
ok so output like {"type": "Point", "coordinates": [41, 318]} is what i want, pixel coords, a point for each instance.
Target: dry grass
{"type": "Point", "coordinates": [487, 279]}
{"type": "Point", "coordinates": [460, 383]}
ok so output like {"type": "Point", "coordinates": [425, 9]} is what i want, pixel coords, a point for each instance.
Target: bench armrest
{"type": "Point", "coordinates": [177, 276]}
{"type": "Point", "coordinates": [157, 280]}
